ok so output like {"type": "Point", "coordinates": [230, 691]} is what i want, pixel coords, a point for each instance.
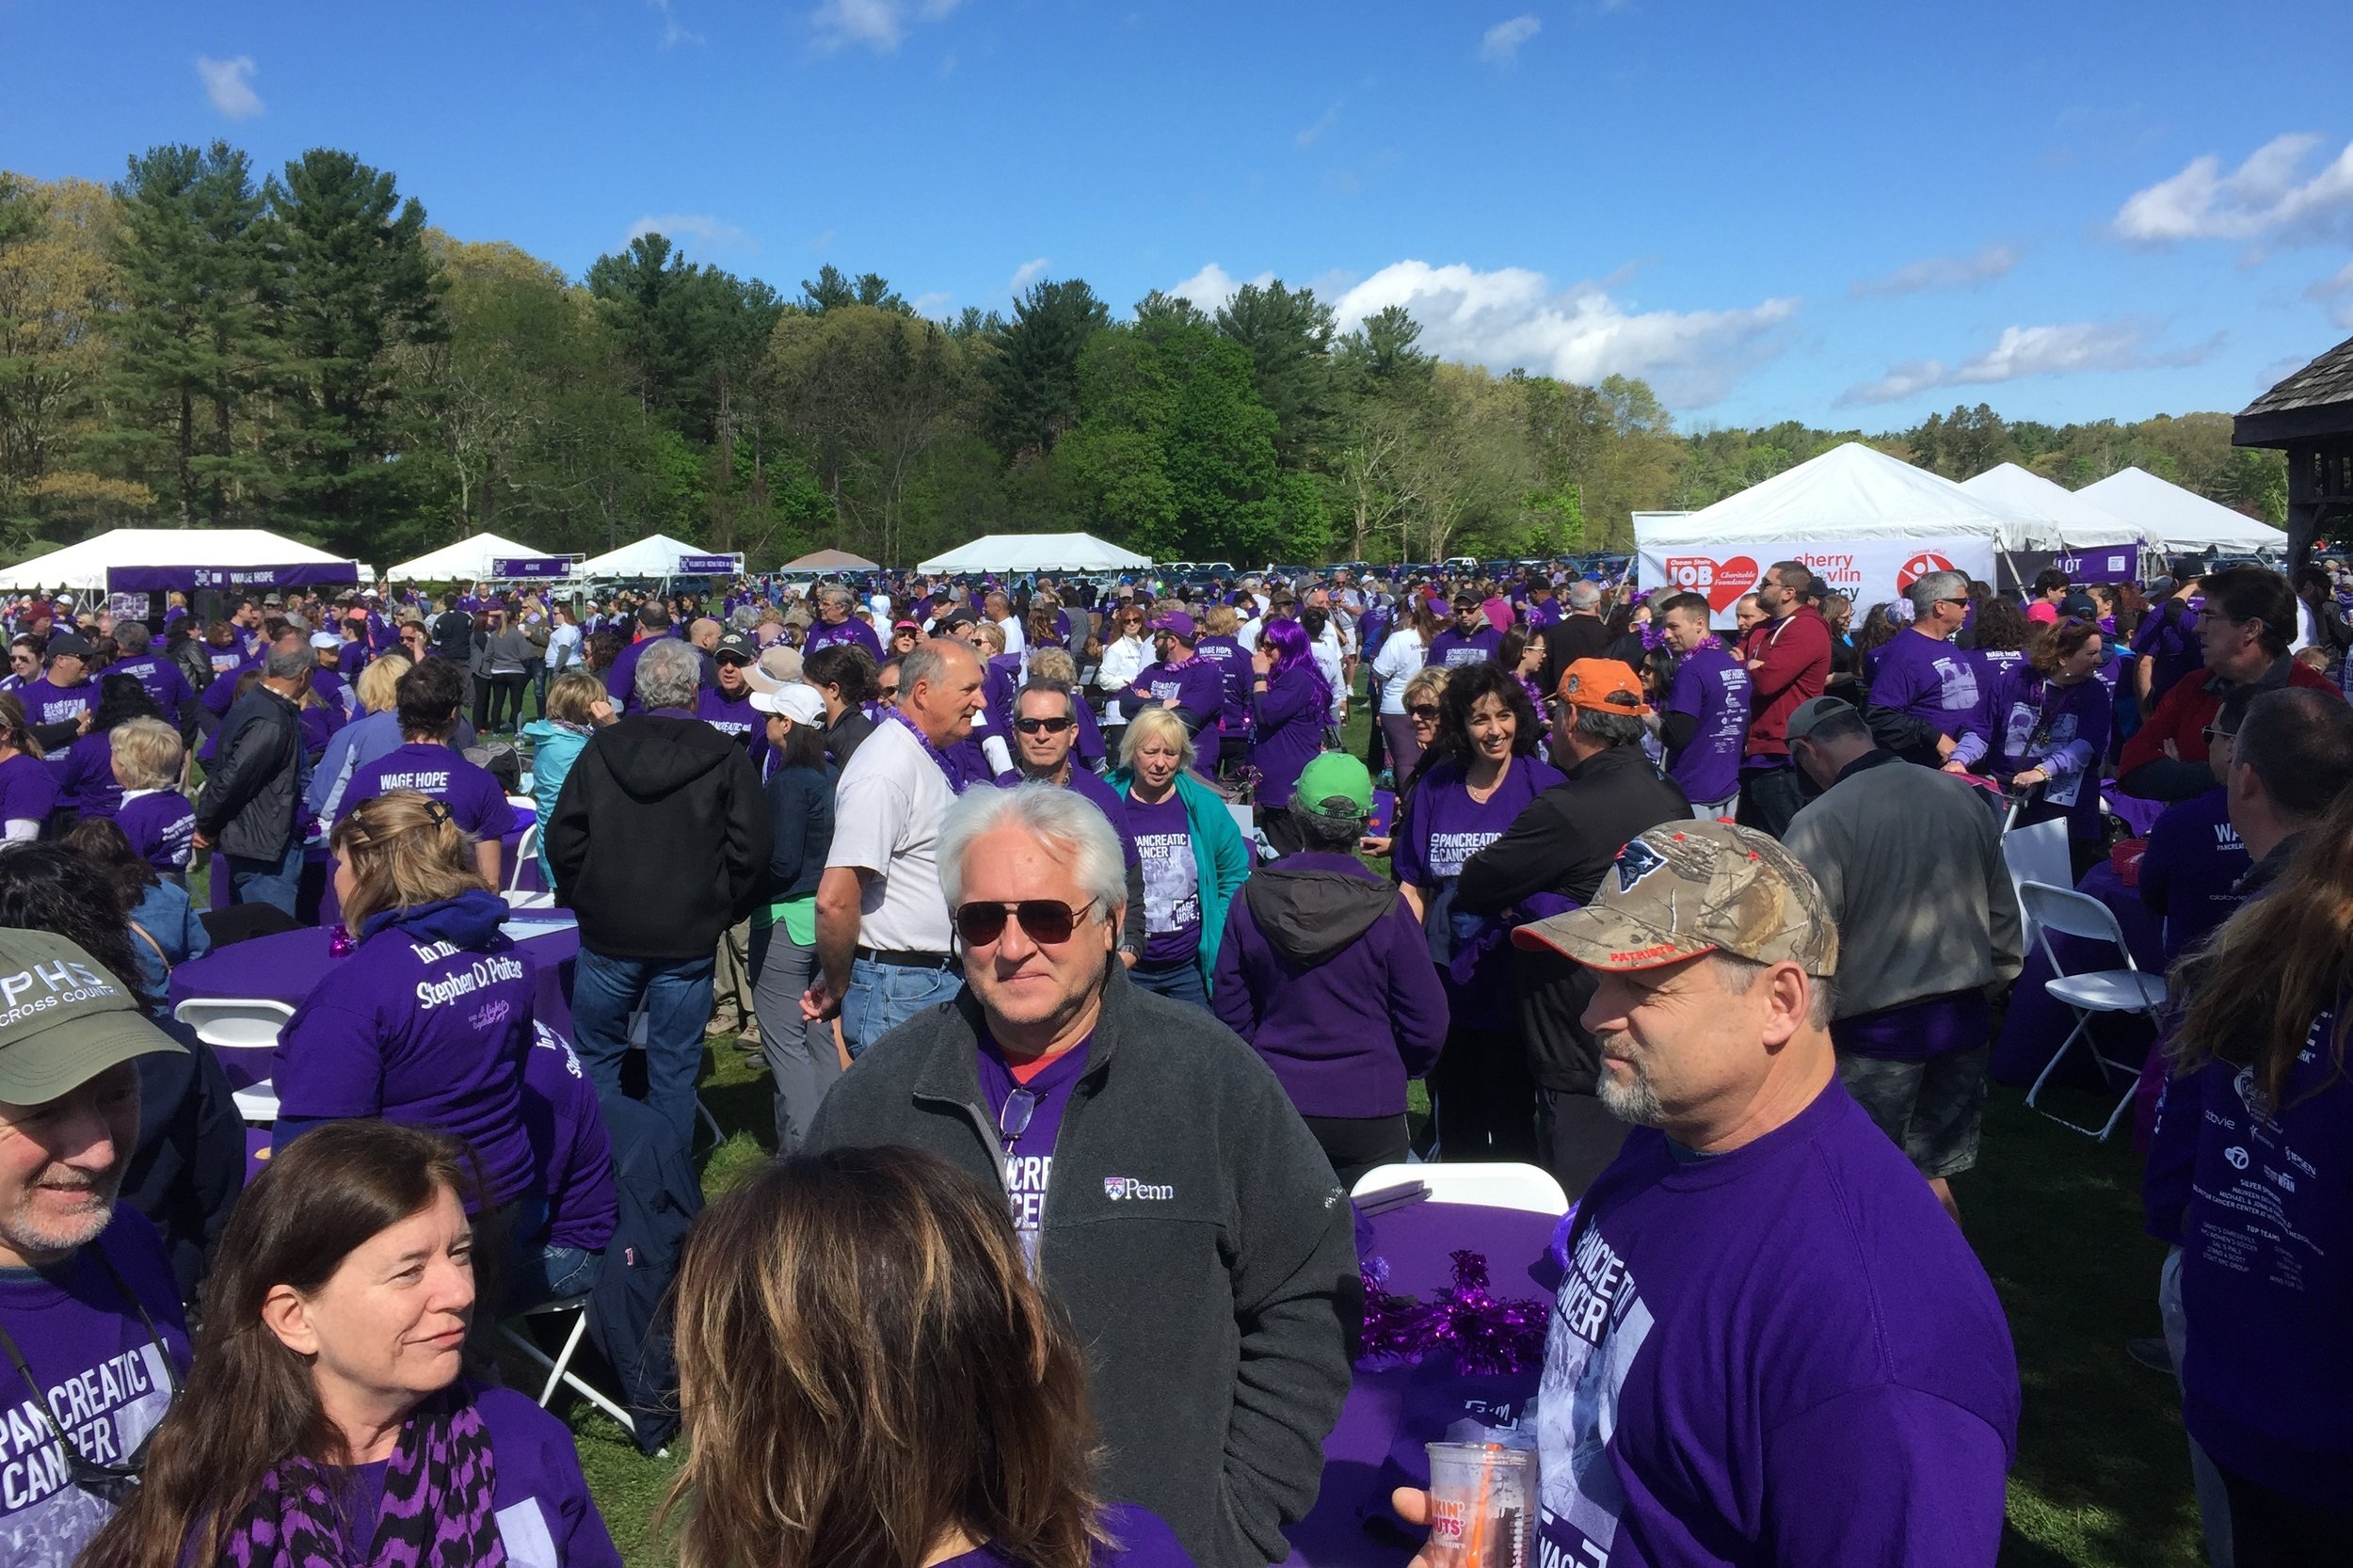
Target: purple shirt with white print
{"type": "Point", "coordinates": [1713, 687]}
{"type": "Point", "coordinates": [161, 825]}
{"type": "Point", "coordinates": [1030, 1153]}
{"type": "Point", "coordinates": [429, 768]}
{"type": "Point", "coordinates": [1925, 678]}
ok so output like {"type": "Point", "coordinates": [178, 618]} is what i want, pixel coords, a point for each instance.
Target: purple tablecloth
{"type": "Point", "coordinates": [287, 966]}
{"type": "Point", "coordinates": [1390, 1414]}
{"type": "Point", "coordinates": [2038, 1024]}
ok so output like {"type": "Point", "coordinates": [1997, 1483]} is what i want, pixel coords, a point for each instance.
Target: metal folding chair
{"type": "Point", "coordinates": [516, 895]}
{"type": "Point", "coordinates": [1489, 1184]}
{"type": "Point", "coordinates": [2092, 993]}
{"type": "Point", "coordinates": [2036, 853]}
{"type": "Point", "coordinates": [559, 1367]}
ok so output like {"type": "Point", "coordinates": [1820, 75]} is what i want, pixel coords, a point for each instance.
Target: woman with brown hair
{"type": "Point", "coordinates": [329, 1417]}
{"type": "Point", "coordinates": [871, 1379]}
{"type": "Point", "coordinates": [2260, 1109]}
{"type": "Point", "coordinates": [28, 790]}
{"type": "Point", "coordinates": [2042, 727]}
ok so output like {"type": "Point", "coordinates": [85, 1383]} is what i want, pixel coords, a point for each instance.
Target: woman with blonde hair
{"type": "Point", "coordinates": [1195, 859]}
{"type": "Point", "coordinates": [578, 706]}
{"type": "Point", "coordinates": [428, 1022]}
{"type": "Point", "coordinates": [332, 1415]}
{"type": "Point", "coordinates": [871, 1379]}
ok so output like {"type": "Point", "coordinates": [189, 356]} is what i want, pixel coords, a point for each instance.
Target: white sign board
{"type": "Point", "coordinates": [1869, 571]}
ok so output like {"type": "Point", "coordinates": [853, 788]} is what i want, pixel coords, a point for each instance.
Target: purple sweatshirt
{"type": "Point", "coordinates": [2189, 874]}
{"type": "Point", "coordinates": [2267, 1269]}
{"type": "Point", "coordinates": [102, 1373]}
{"type": "Point", "coordinates": [1452, 648]}
{"type": "Point", "coordinates": [1233, 662]}
{"type": "Point", "coordinates": [1323, 969]}
{"type": "Point", "coordinates": [1196, 689]}
{"type": "Point", "coordinates": [1713, 688]}
{"type": "Point", "coordinates": [2029, 721]}
{"type": "Point", "coordinates": [428, 1024]}
{"type": "Point", "coordinates": [161, 825]}
{"type": "Point", "coordinates": [1288, 731]}
{"type": "Point", "coordinates": [1773, 1354]}
{"type": "Point", "coordinates": [571, 1155]}
{"type": "Point", "coordinates": [1925, 677]}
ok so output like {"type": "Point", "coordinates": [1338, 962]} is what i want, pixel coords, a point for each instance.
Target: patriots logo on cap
{"type": "Point", "coordinates": [1635, 862]}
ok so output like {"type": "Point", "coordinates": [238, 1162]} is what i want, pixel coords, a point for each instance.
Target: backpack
{"type": "Point", "coordinates": [504, 761]}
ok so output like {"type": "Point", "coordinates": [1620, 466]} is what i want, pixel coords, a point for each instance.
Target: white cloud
{"type": "Point", "coordinates": [1027, 273]}
{"type": "Point", "coordinates": [673, 32]}
{"type": "Point", "coordinates": [230, 85]}
{"type": "Point", "coordinates": [714, 233]}
{"type": "Point", "coordinates": [879, 24]}
{"type": "Point", "coordinates": [2065, 349]}
{"type": "Point", "coordinates": [1213, 286]}
{"type": "Point", "coordinates": [1939, 272]}
{"type": "Point", "coordinates": [2265, 195]}
{"type": "Point", "coordinates": [1500, 43]}
{"type": "Point", "coordinates": [1324, 121]}
{"type": "Point", "coordinates": [1513, 318]}
{"type": "Point", "coordinates": [933, 305]}
{"type": "Point", "coordinates": [2339, 288]}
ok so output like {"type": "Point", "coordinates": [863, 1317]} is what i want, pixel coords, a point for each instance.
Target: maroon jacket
{"type": "Point", "coordinates": [1789, 661]}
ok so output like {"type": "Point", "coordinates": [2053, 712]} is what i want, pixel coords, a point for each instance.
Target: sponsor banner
{"type": "Point", "coordinates": [530, 565]}
{"type": "Point", "coordinates": [156, 579]}
{"type": "Point", "coordinates": [708, 566]}
{"type": "Point", "coordinates": [1869, 571]}
{"type": "Point", "coordinates": [2109, 564]}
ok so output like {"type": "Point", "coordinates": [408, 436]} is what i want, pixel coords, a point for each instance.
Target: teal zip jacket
{"type": "Point", "coordinates": [1220, 858]}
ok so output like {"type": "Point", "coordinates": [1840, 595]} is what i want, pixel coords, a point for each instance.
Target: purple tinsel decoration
{"type": "Point", "coordinates": [1486, 1336]}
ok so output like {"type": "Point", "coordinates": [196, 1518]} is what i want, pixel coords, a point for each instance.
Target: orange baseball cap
{"type": "Point", "coordinates": [1604, 685]}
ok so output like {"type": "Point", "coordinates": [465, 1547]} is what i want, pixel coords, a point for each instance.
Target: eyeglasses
{"type": "Point", "coordinates": [2214, 732]}
{"type": "Point", "coordinates": [1046, 921]}
{"type": "Point", "coordinates": [1052, 727]}
{"type": "Point", "coordinates": [888, 694]}
{"type": "Point", "coordinates": [1014, 1119]}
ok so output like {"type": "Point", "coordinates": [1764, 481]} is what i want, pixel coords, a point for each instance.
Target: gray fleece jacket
{"type": "Point", "coordinates": [1910, 860]}
{"type": "Point", "coordinates": [1220, 1316]}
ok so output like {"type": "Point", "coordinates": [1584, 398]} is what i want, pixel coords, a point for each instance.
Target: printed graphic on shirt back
{"type": "Point", "coordinates": [1599, 1324]}
{"type": "Point", "coordinates": [106, 1409]}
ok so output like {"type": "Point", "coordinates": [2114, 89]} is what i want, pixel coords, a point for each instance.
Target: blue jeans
{"type": "Point", "coordinates": [1177, 981]}
{"type": "Point", "coordinates": [551, 1273]}
{"type": "Point", "coordinates": [674, 996]}
{"type": "Point", "coordinates": [884, 996]}
{"type": "Point", "coordinates": [272, 882]}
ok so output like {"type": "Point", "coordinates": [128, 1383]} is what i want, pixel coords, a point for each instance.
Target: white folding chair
{"type": "Point", "coordinates": [516, 895]}
{"type": "Point", "coordinates": [1496, 1184]}
{"type": "Point", "coordinates": [241, 1024]}
{"type": "Point", "coordinates": [559, 1367]}
{"type": "Point", "coordinates": [637, 1030]}
{"type": "Point", "coordinates": [2092, 993]}
{"type": "Point", "coordinates": [2037, 853]}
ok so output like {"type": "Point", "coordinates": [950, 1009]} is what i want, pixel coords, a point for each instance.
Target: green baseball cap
{"type": "Point", "coordinates": [1335, 776]}
{"type": "Point", "coordinates": [63, 1019]}
{"type": "Point", "coordinates": [1686, 887]}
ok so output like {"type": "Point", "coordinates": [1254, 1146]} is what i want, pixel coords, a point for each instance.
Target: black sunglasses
{"type": "Point", "coordinates": [1423, 710]}
{"type": "Point", "coordinates": [1052, 727]}
{"type": "Point", "coordinates": [1046, 921]}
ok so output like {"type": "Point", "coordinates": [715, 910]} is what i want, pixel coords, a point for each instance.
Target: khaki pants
{"type": "Point", "coordinates": [731, 990]}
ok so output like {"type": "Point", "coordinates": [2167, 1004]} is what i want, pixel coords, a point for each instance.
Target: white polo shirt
{"type": "Point", "coordinates": [886, 814]}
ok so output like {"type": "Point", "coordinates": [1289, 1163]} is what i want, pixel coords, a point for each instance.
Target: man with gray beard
{"type": "Point", "coordinates": [89, 1312]}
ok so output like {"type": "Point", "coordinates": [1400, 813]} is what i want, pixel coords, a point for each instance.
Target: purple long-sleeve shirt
{"type": "Point", "coordinates": [1289, 731]}
{"type": "Point", "coordinates": [1344, 1028]}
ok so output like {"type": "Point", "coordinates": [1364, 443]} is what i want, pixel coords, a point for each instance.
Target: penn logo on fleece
{"type": "Point", "coordinates": [1119, 1188]}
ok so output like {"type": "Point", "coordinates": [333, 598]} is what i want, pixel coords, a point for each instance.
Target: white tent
{"type": "Point", "coordinates": [1852, 491]}
{"type": "Point", "coordinates": [1013, 552]}
{"type": "Point", "coordinates": [466, 561]}
{"type": "Point", "coordinates": [85, 565]}
{"type": "Point", "coordinates": [2174, 519]}
{"type": "Point", "coordinates": [2081, 523]}
{"type": "Point", "coordinates": [657, 556]}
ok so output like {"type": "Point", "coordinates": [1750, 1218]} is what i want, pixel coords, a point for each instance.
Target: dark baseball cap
{"type": "Point", "coordinates": [1813, 711]}
{"type": "Point", "coordinates": [1684, 888]}
{"type": "Point", "coordinates": [63, 1019]}
{"type": "Point", "coordinates": [68, 643]}
{"type": "Point", "coordinates": [735, 646]}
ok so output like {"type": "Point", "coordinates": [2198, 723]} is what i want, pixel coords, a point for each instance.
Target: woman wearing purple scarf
{"type": "Point", "coordinates": [328, 1419]}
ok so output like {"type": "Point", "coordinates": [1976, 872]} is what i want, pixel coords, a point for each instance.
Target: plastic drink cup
{"type": "Point", "coordinates": [1482, 1500]}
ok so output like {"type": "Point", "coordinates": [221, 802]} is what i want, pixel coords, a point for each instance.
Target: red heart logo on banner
{"type": "Point", "coordinates": [1733, 579]}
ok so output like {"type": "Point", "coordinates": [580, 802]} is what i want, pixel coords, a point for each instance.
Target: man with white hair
{"type": "Point", "coordinates": [1924, 687]}
{"type": "Point", "coordinates": [1193, 1229]}
{"type": "Point", "coordinates": [836, 624]}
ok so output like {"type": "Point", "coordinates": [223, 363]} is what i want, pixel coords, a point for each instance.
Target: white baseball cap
{"type": "Point", "coordinates": [798, 703]}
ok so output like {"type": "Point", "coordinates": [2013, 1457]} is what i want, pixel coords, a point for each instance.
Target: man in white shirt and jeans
{"type": "Point", "coordinates": [883, 947]}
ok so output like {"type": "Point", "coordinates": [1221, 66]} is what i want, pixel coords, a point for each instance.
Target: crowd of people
{"type": "Point", "coordinates": [1092, 972]}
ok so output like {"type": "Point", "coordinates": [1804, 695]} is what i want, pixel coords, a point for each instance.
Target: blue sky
{"type": "Point", "coordinates": [1846, 215]}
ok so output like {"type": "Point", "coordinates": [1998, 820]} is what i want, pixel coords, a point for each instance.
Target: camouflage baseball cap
{"type": "Point", "coordinates": [1683, 889]}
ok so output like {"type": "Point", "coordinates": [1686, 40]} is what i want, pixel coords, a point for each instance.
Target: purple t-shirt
{"type": "Point", "coordinates": [1030, 1155]}
{"type": "Point", "coordinates": [2189, 874]}
{"type": "Point", "coordinates": [426, 1024]}
{"type": "Point", "coordinates": [1452, 648]}
{"type": "Point", "coordinates": [1197, 686]}
{"type": "Point", "coordinates": [102, 1373]}
{"type": "Point", "coordinates": [1925, 677]}
{"type": "Point", "coordinates": [1171, 879]}
{"type": "Point", "coordinates": [1143, 1540]}
{"type": "Point", "coordinates": [45, 703]}
{"type": "Point", "coordinates": [475, 802]}
{"type": "Point", "coordinates": [1444, 827]}
{"type": "Point", "coordinates": [28, 790]}
{"type": "Point", "coordinates": [161, 825]}
{"type": "Point", "coordinates": [1774, 1354]}
{"type": "Point", "coordinates": [88, 776]}
{"type": "Point", "coordinates": [734, 716]}
{"type": "Point", "coordinates": [1713, 688]}
{"type": "Point", "coordinates": [572, 1154]}
{"type": "Point", "coordinates": [1233, 665]}
{"type": "Point", "coordinates": [2169, 638]}
{"type": "Point", "coordinates": [851, 630]}
{"type": "Point", "coordinates": [160, 678]}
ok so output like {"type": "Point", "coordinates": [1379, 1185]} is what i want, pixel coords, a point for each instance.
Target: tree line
{"type": "Point", "coordinates": [202, 344]}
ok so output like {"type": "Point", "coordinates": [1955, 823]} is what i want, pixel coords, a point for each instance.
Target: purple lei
{"type": "Point", "coordinates": [948, 770]}
{"type": "Point", "coordinates": [1487, 1336]}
